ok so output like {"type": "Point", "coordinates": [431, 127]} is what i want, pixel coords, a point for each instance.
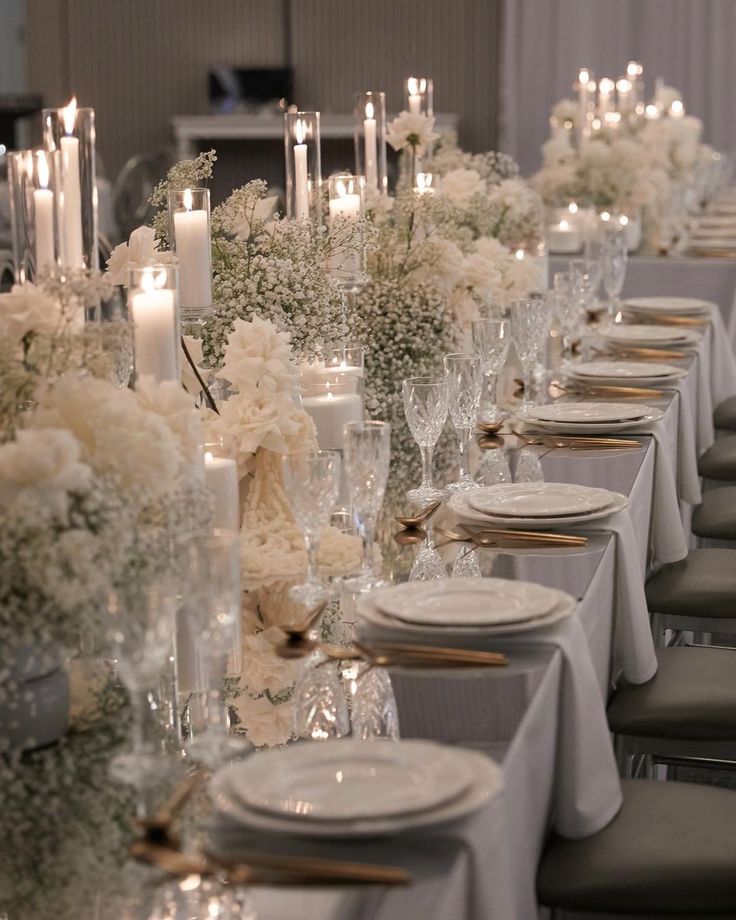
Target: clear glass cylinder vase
{"type": "Point", "coordinates": [303, 166]}
{"type": "Point", "coordinates": [34, 178]}
{"type": "Point", "coordinates": [71, 131]}
{"type": "Point", "coordinates": [346, 261]}
{"type": "Point", "coordinates": [191, 239]}
{"type": "Point", "coordinates": [153, 311]}
{"type": "Point", "coordinates": [370, 140]}
{"type": "Point", "coordinates": [419, 95]}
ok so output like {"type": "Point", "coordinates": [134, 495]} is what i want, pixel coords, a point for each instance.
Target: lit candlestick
{"type": "Point", "coordinates": [424, 184]}
{"type": "Point", "coordinates": [651, 112]}
{"type": "Point", "coordinates": [221, 478]}
{"type": "Point", "coordinates": [369, 126]}
{"type": "Point", "coordinates": [624, 96]}
{"type": "Point", "coordinates": [43, 217]}
{"type": "Point", "coordinates": [71, 191]}
{"type": "Point", "coordinates": [346, 205]}
{"type": "Point", "coordinates": [677, 109]}
{"type": "Point", "coordinates": [301, 178]}
{"type": "Point", "coordinates": [415, 97]}
{"type": "Point", "coordinates": [191, 232]}
{"type": "Point", "coordinates": [564, 236]}
{"type": "Point", "coordinates": [606, 87]}
{"type": "Point", "coordinates": [155, 335]}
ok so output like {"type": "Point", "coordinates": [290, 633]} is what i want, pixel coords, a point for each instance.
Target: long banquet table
{"type": "Point", "coordinates": [542, 718]}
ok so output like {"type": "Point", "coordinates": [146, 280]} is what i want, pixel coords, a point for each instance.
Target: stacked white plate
{"type": "Point", "coordinates": [682, 306]}
{"type": "Point", "coordinates": [348, 788]}
{"type": "Point", "coordinates": [529, 505]}
{"type": "Point", "coordinates": [637, 334]}
{"type": "Point", "coordinates": [462, 607]}
{"type": "Point", "coordinates": [589, 417]}
{"type": "Point", "coordinates": [624, 373]}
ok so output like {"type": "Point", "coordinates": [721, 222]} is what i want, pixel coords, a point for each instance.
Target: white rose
{"type": "Point", "coordinates": [27, 309]}
{"type": "Point", "coordinates": [258, 357]}
{"type": "Point", "coordinates": [253, 423]}
{"type": "Point", "coordinates": [266, 725]}
{"type": "Point", "coordinates": [140, 250]}
{"type": "Point", "coordinates": [480, 274]}
{"type": "Point", "coordinates": [410, 130]}
{"type": "Point", "coordinates": [45, 461]}
{"type": "Point", "coordinates": [261, 667]}
{"type": "Point", "coordinates": [173, 404]}
{"type": "Point", "coordinates": [459, 185]}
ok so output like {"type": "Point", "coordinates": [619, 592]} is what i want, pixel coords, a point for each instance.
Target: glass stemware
{"type": "Point", "coordinates": [425, 407]}
{"type": "Point", "coordinates": [527, 322]}
{"type": "Point", "coordinates": [463, 375]}
{"type": "Point", "coordinates": [367, 456]}
{"type": "Point", "coordinates": [492, 340]}
{"type": "Point", "coordinates": [584, 283]}
{"type": "Point", "coordinates": [312, 482]}
{"type": "Point", "coordinates": [568, 312]}
{"type": "Point", "coordinates": [615, 257]}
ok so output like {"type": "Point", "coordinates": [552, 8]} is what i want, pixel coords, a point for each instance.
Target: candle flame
{"type": "Point", "coordinates": [43, 170]}
{"type": "Point", "coordinates": [412, 84]}
{"type": "Point", "coordinates": [300, 131]}
{"type": "Point", "coordinates": [369, 110]}
{"type": "Point", "coordinates": [584, 76]}
{"type": "Point", "coordinates": [623, 220]}
{"type": "Point", "coordinates": [519, 254]}
{"type": "Point", "coordinates": [147, 281]}
{"type": "Point", "coordinates": [634, 69]}
{"type": "Point", "coordinates": [208, 456]}
{"type": "Point", "coordinates": [605, 215]}
{"type": "Point", "coordinates": [623, 85]}
{"type": "Point", "coordinates": [677, 109]}
{"type": "Point", "coordinates": [572, 207]}
{"type": "Point", "coordinates": [651, 111]}
{"type": "Point", "coordinates": [606, 86]}
{"type": "Point", "coordinates": [187, 199]}
{"type": "Point", "coordinates": [341, 188]}
{"type": "Point", "coordinates": [69, 115]}
{"type": "Point", "coordinates": [564, 225]}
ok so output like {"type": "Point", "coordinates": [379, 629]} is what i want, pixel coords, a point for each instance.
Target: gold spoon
{"type": "Point", "coordinates": [490, 442]}
{"type": "Point", "coordinates": [411, 522]}
{"type": "Point", "coordinates": [410, 536]}
{"type": "Point", "coordinates": [489, 427]}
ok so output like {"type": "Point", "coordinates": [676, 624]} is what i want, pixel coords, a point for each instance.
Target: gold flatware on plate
{"type": "Point", "coordinates": [665, 319]}
{"type": "Point", "coordinates": [612, 390]}
{"type": "Point", "coordinates": [499, 538]}
{"type": "Point", "coordinates": [413, 521]}
{"type": "Point", "coordinates": [651, 354]}
{"type": "Point", "coordinates": [410, 536]}
{"type": "Point", "coordinates": [578, 442]}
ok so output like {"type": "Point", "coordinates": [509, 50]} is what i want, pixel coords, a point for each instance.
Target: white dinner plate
{"type": "Point", "coordinates": [628, 425]}
{"type": "Point", "coordinates": [587, 412]}
{"type": "Point", "coordinates": [448, 633]}
{"type": "Point", "coordinates": [686, 306]}
{"type": "Point", "coordinates": [623, 373]}
{"type": "Point", "coordinates": [485, 782]}
{"type": "Point", "coordinates": [461, 506]}
{"type": "Point", "coordinates": [465, 601]}
{"type": "Point", "coordinates": [538, 499]}
{"type": "Point", "coordinates": [348, 780]}
{"type": "Point", "coordinates": [641, 334]}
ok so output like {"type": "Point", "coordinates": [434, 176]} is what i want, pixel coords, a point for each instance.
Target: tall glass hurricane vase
{"type": "Point", "coordinates": [367, 457]}
{"type": "Point", "coordinates": [615, 258]}
{"type": "Point", "coordinates": [463, 374]}
{"type": "Point", "coordinates": [425, 407]}
{"type": "Point", "coordinates": [491, 339]}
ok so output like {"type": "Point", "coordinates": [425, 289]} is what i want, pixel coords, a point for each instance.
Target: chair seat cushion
{"type": "Point", "coordinates": [701, 585]}
{"type": "Point", "coordinates": [715, 517]}
{"type": "Point", "coordinates": [719, 461]}
{"type": "Point", "coordinates": [670, 850]}
{"type": "Point", "coordinates": [724, 416]}
{"type": "Point", "coordinates": [692, 697]}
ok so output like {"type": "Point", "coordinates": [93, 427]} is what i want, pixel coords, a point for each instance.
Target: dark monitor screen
{"type": "Point", "coordinates": [240, 87]}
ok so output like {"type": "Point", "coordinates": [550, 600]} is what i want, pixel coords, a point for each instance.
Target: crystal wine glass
{"type": "Point", "coordinates": [492, 340]}
{"type": "Point", "coordinates": [568, 311]}
{"type": "Point", "coordinates": [312, 482]}
{"type": "Point", "coordinates": [463, 374]}
{"type": "Point", "coordinates": [527, 321]}
{"type": "Point", "coordinates": [425, 407]}
{"type": "Point", "coordinates": [615, 257]}
{"type": "Point", "coordinates": [367, 454]}
{"type": "Point", "coordinates": [584, 285]}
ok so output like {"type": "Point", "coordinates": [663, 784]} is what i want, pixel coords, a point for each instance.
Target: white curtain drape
{"type": "Point", "coordinates": [690, 43]}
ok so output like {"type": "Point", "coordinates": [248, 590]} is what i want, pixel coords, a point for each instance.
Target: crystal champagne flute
{"type": "Point", "coordinates": [491, 340]}
{"type": "Point", "coordinates": [425, 407]}
{"type": "Point", "coordinates": [463, 374]}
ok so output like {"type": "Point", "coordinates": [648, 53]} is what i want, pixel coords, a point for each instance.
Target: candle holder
{"type": "Point", "coordinates": [419, 95]}
{"type": "Point", "coordinates": [71, 131]}
{"type": "Point", "coordinates": [346, 263]}
{"type": "Point", "coordinates": [344, 364]}
{"type": "Point", "coordinates": [331, 402]}
{"type": "Point", "coordinates": [154, 316]}
{"type": "Point", "coordinates": [33, 181]}
{"type": "Point", "coordinates": [190, 236]}
{"type": "Point", "coordinates": [303, 166]}
{"type": "Point", "coordinates": [426, 183]}
{"type": "Point", "coordinates": [370, 140]}
{"type": "Point", "coordinates": [221, 478]}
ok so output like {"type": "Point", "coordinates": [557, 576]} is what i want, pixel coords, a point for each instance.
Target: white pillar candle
{"type": "Point", "coordinates": [369, 126]}
{"type": "Point", "coordinates": [606, 87]}
{"type": "Point", "coordinates": [43, 218]}
{"type": "Point", "coordinates": [415, 104]}
{"type": "Point", "coordinates": [73, 249]}
{"type": "Point", "coordinates": [155, 336]}
{"type": "Point", "coordinates": [330, 412]}
{"type": "Point", "coordinates": [347, 260]}
{"type": "Point", "coordinates": [301, 173]}
{"type": "Point", "coordinates": [563, 237]}
{"type": "Point", "coordinates": [192, 236]}
{"type": "Point", "coordinates": [221, 478]}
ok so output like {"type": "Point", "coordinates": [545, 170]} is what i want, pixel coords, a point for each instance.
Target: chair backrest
{"type": "Point", "coordinates": [7, 270]}
{"type": "Point", "coordinates": [133, 187]}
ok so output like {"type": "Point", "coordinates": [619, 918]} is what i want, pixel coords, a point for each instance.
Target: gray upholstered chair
{"type": "Point", "coordinates": [715, 516]}
{"type": "Point", "coordinates": [670, 852]}
{"type": "Point", "coordinates": [724, 416]}
{"type": "Point", "coordinates": [697, 593]}
{"type": "Point", "coordinates": [687, 710]}
{"type": "Point", "coordinates": [719, 461]}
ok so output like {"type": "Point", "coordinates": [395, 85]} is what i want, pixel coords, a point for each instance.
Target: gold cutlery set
{"type": "Point", "coordinates": [499, 538]}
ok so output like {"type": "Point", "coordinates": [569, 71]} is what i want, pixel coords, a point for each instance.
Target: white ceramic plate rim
{"type": "Point", "coordinates": [404, 601]}
{"type": "Point", "coordinates": [270, 781]}
{"type": "Point", "coordinates": [670, 304]}
{"type": "Point", "coordinates": [641, 333]}
{"type": "Point", "coordinates": [587, 412]}
{"type": "Point", "coordinates": [564, 428]}
{"type": "Point", "coordinates": [486, 783]}
{"type": "Point", "coordinates": [459, 504]}
{"type": "Point", "coordinates": [503, 499]}
{"type": "Point", "coordinates": [626, 370]}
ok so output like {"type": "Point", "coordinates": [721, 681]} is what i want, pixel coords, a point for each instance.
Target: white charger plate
{"type": "Point", "coordinates": [641, 334]}
{"type": "Point", "coordinates": [688, 306]}
{"type": "Point", "coordinates": [460, 505]}
{"type": "Point", "coordinates": [602, 428]}
{"type": "Point", "coordinates": [624, 372]}
{"type": "Point", "coordinates": [485, 782]}
{"type": "Point", "coordinates": [348, 780]}
{"type": "Point", "coordinates": [583, 413]}
{"type": "Point", "coordinates": [538, 499]}
{"type": "Point", "coordinates": [465, 601]}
